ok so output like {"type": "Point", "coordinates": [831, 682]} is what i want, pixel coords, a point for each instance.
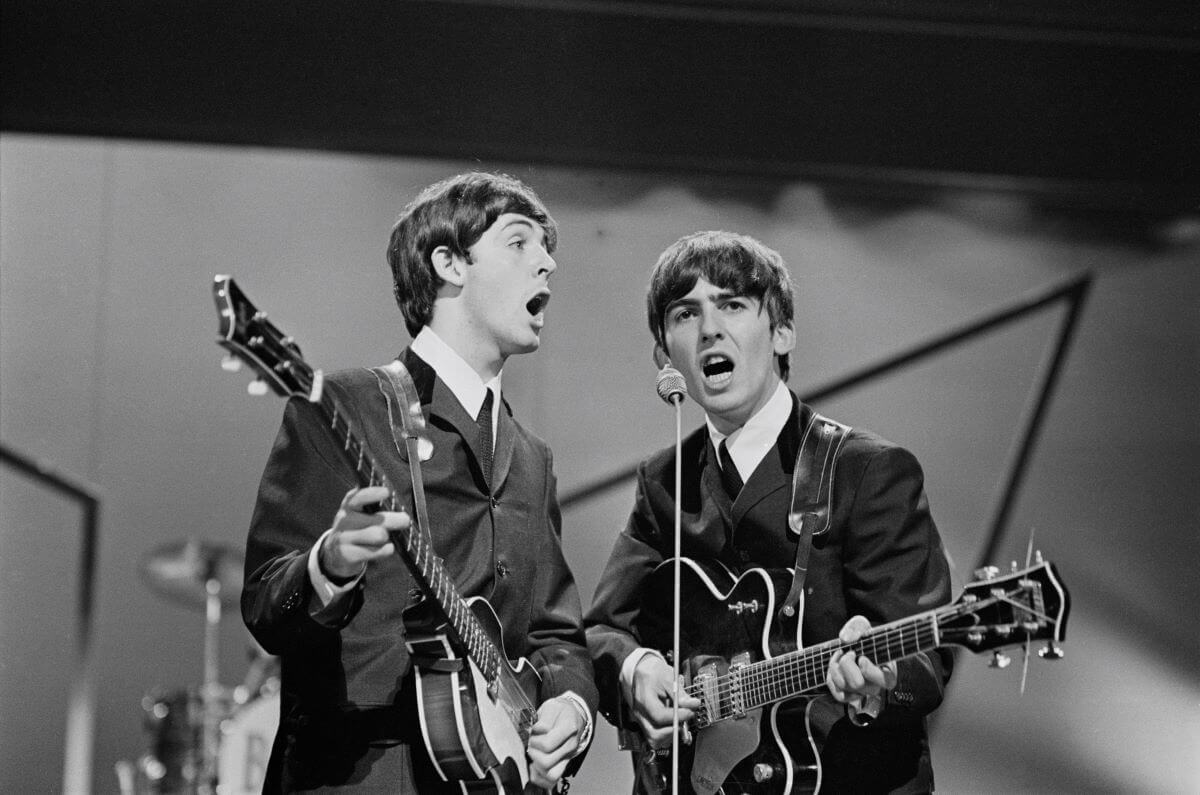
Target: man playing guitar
{"type": "Point", "coordinates": [720, 309]}
{"type": "Point", "coordinates": [325, 588]}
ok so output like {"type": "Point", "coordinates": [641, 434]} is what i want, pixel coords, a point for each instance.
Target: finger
{"type": "Point", "coordinates": [852, 677]}
{"type": "Point", "coordinates": [854, 629]}
{"type": "Point", "coordinates": [357, 499]}
{"type": "Point", "coordinates": [836, 685]}
{"type": "Point", "coordinates": [872, 673]}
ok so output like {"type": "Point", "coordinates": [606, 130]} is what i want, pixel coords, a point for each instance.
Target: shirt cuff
{"type": "Point", "coordinates": [585, 737]}
{"type": "Point", "coordinates": [326, 590]}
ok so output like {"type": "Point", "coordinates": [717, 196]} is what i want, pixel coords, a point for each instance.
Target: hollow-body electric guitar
{"type": "Point", "coordinates": [743, 664]}
{"type": "Point", "coordinates": [476, 707]}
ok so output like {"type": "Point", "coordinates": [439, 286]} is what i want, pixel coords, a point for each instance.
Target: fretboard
{"type": "Point", "coordinates": [413, 544]}
{"type": "Point", "coordinates": [803, 671]}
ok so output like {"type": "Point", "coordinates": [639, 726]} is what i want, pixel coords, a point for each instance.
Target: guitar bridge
{"type": "Point", "coordinates": [745, 607]}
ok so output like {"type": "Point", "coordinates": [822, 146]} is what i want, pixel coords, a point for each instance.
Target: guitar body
{"type": "Point", "coordinates": [475, 734]}
{"type": "Point", "coordinates": [728, 620]}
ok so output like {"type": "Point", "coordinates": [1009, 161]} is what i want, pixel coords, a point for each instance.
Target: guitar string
{"type": "Point", "coordinates": [769, 680]}
{"type": "Point", "coordinates": [476, 642]}
{"type": "Point", "coordinates": [429, 568]}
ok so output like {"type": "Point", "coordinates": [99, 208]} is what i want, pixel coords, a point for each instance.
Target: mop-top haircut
{"type": "Point", "coordinates": [732, 262]}
{"type": "Point", "coordinates": [453, 213]}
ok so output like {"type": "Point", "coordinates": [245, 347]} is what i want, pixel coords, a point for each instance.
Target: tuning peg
{"type": "Point", "coordinates": [257, 387]}
{"type": "Point", "coordinates": [1050, 651]}
{"type": "Point", "coordinates": [987, 573]}
{"type": "Point", "coordinates": [999, 660]}
{"type": "Point", "coordinates": [231, 364]}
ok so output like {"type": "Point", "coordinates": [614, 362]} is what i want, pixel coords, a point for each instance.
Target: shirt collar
{"type": "Point", "coordinates": [456, 374]}
{"type": "Point", "coordinates": [748, 445]}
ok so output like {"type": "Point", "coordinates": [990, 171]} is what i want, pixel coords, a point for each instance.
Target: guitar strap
{"type": "Point", "coordinates": [412, 441]}
{"type": "Point", "coordinates": [408, 434]}
{"type": "Point", "coordinates": [812, 496]}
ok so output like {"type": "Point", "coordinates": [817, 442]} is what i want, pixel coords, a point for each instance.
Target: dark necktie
{"type": "Point", "coordinates": [729, 474]}
{"type": "Point", "coordinates": [484, 421]}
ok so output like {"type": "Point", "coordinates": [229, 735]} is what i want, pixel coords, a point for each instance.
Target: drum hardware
{"type": "Point", "coordinates": [211, 738]}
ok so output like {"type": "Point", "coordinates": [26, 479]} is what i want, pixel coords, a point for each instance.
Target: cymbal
{"type": "Point", "coordinates": [181, 571]}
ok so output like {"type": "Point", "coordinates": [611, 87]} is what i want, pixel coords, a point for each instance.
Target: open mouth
{"type": "Point", "coordinates": [536, 305]}
{"type": "Point", "coordinates": [717, 369]}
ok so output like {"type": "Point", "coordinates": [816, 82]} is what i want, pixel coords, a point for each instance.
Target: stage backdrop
{"type": "Point", "coordinates": [110, 371]}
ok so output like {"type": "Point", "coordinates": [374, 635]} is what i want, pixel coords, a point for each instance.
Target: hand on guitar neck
{"type": "Point", "coordinates": [856, 681]}
{"type": "Point", "coordinates": [360, 534]}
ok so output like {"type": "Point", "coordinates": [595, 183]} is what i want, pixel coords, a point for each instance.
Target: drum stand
{"type": "Point", "coordinates": [195, 574]}
{"type": "Point", "coordinates": [211, 692]}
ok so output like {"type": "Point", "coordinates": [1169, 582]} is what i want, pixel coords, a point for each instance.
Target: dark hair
{"type": "Point", "coordinates": [453, 213]}
{"type": "Point", "coordinates": [733, 262]}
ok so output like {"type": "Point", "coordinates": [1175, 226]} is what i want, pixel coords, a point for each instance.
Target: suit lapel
{"type": "Point", "coordinates": [774, 472]}
{"type": "Point", "coordinates": [444, 410]}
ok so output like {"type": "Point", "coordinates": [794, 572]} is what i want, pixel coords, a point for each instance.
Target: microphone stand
{"type": "Point", "coordinates": [677, 401]}
{"type": "Point", "coordinates": [672, 388]}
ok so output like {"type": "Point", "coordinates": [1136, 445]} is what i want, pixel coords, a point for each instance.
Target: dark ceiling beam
{"type": "Point", "coordinates": [1100, 109]}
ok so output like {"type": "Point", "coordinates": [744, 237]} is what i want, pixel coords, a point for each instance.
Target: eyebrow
{"type": "Point", "coordinates": [720, 295]}
{"type": "Point", "coordinates": [520, 222]}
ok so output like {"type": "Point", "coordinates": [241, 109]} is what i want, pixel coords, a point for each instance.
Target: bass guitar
{"type": "Point", "coordinates": [476, 708]}
{"type": "Point", "coordinates": [743, 665]}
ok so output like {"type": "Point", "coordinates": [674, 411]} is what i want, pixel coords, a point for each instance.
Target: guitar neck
{"type": "Point", "coordinates": [415, 548]}
{"type": "Point", "coordinates": [800, 672]}
{"type": "Point", "coordinates": [803, 671]}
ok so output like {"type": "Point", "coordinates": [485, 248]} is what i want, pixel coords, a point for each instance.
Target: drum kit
{"type": "Point", "coordinates": [211, 738]}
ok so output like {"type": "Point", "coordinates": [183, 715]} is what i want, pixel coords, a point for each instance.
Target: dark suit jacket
{"type": "Point", "coordinates": [881, 557]}
{"type": "Point", "coordinates": [348, 714]}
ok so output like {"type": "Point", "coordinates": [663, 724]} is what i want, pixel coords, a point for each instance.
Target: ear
{"type": "Point", "coordinates": [783, 339]}
{"type": "Point", "coordinates": [661, 359]}
{"type": "Point", "coordinates": [450, 268]}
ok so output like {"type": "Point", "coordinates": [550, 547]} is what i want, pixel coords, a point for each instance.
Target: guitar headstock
{"type": "Point", "coordinates": [997, 611]}
{"type": "Point", "coordinates": [249, 337]}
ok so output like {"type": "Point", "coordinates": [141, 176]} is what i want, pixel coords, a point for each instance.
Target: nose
{"type": "Point", "coordinates": [547, 264]}
{"type": "Point", "coordinates": [710, 326]}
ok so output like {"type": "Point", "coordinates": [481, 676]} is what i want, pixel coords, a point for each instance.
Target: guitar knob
{"type": "Point", "coordinates": [257, 387]}
{"type": "Point", "coordinates": [999, 660]}
{"type": "Point", "coordinates": [231, 364]}
{"type": "Point", "coordinates": [1050, 651]}
{"type": "Point", "coordinates": [987, 573]}
{"type": "Point", "coordinates": [764, 772]}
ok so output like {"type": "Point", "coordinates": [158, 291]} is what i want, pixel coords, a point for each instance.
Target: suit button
{"type": "Point", "coordinates": [495, 502]}
{"type": "Point", "coordinates": [502, 569]}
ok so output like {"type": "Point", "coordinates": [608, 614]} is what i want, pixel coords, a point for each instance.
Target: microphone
{"type": "Point", "coordinates": [670, 385]}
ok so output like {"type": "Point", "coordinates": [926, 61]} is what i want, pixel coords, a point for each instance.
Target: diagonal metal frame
{"type": "Point", "coordinates": [1073, 292]}
{"type": "Point", "coordinates": [80, 730]}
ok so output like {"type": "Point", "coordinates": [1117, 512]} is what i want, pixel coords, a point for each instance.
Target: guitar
{"type": "Point", "coordinates": [742, 665]}
{"type": "Point", "coordinates": [476, 708]}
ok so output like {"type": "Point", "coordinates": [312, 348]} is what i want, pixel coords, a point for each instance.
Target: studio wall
{"type": "Point", "coordinates": [108, 369]}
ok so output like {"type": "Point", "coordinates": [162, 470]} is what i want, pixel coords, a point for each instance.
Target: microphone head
{"type": "Point", "coordinates": [670, 385]}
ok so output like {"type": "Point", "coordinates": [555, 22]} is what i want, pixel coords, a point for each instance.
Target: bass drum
{"type": "Point", "coordinates": [175, 721]}
{"type": "Point", "coordinates": [246, 746]}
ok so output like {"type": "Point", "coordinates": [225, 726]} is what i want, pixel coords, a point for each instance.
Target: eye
{"type": "Point", "coordinates": [518, 243]}
{"type": "Point", "coordinates": [735, 305]}
{"type": "Point", "coordinates": [681, 314]}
